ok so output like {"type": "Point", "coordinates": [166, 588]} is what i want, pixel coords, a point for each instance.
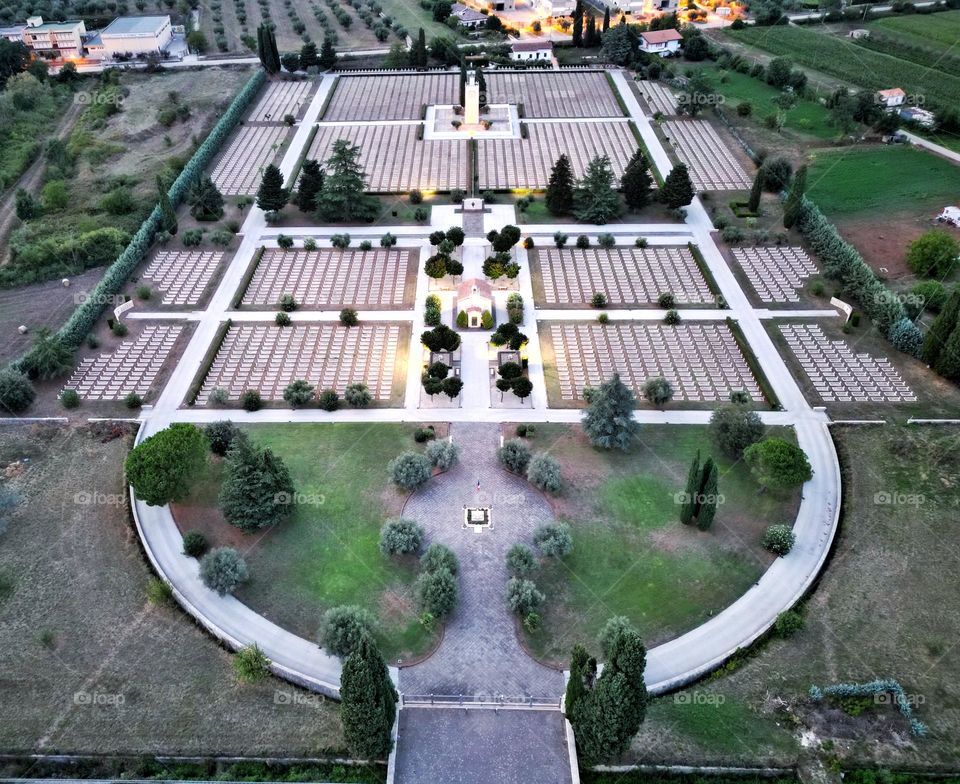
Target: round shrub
{"type": "Point", "coordinates": [523, 596]}
{"type": "Point", "coordinates": [400, 537]}
{"type": "Point", "coordinates": [554, 540]}
{"type": "Point", "coordinates": [357, 395]}
{"type": "Point", "coordinates": [195, 544]}
{"type": "Point", "coordinates": [423, 434]}
{"type": "Point", "coordinates": [520, 560]}
{"type": "Point", "coordinates": [223, 570]}
{"type": "Point", "coordinates": [788, 623]}
{"type": "Point", "coordinates": [298, 393]}
{"type": "Point", "coordinates": [69, 398]}
{"type": "Point", "coordinates": [329, 400]}
{"type": "Point", "coordinates": [218, 397]}
{"type": "Point", "coordinates": [442, 454]}
{"type": "Point", "coordinates": [672, 318]}
{"type": "Point", "coordinates": [282, 319]}
{"type": "Point", "coordinates": [409, 470]}
{"type": "Point", "coordinates": [544, 472]}
{"type": "Point", "coordinates": [342, 628]}
{"type": "Point", "coordinates": [251, 664]}
{"type": "Point", "coordinates": [251, 400]}
{"type": "Point", "coordinates": [133, 400]}
{"type": "Point", "coordinates": [221, 436]}
{"type": "Point", "coordinates": [515, 455]}
{"type": "Point", "coordinates": [437, 592]}
{"type": "Point", "coordinates": [779, 539]}
{"type": "Point", "coordinates": [667, 300]}
{"type": "Point", "coordinates": [439, 557]}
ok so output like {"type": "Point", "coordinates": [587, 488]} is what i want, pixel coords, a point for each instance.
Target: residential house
{"type": "Point", "coordinates": [524, 51]}
{"type": "Point", "coordinates": [664, 43]}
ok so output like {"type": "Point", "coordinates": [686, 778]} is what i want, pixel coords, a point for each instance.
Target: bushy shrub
{"type": "Point", "coordinates": [329, 400]}
{"type": "Point", "coordinates": [907, 337]}
{"type": "Point", "coordinates": [554, 540]}
{"type": "Point", "coordinates": [779, 539]}
{"type": "Point", "coordinates": [409, 470]}
{"type": "Point", "coordinates": [221, 436]}
{"type": "Point", "coordinates": [191, 238]}
{"type": "Point", "coordinates": [357, 395]}
{"type": "Point", "coordinates": [523, 596]}
{"type": "Point", "coordinates": [251, 664]}
{"type": "Point", "coordinates": [159, 592]}
{"type": "Point", "coordinates": [515, 455]}
{"type": "Point", "coordinates": [612, 629]}
{"type": "Point", "coordinates": [520, 560]}
{"type": "Point", "coordinates": [282, 319]}
{"type": "Point", "coordinates": [400, 537]}
{"type": "Point", "coordinates": [439, 557]}
{"type": "Point", "coordinates": [423, 434]}
{"type": "Point", "coordinates": [437, 592]}
{"type": "Point", "coordinates": [69, 398]}
{"type": "Point", "coordinates": [598, 300]}
{"type": "Point", "coordinates": [544, 472]}
{"type": "Point", "coordinates": [223, 570]}
{"type": "Point", "coordinates": [251, 400]}
{"type": "Point", "coordinates": [298, 393]}
{"type": "Point", "coordinates": [442, 454]}
{"type": "Point", "coordinates": [342, 628]}
{"type": "Point", "coordinates": [195, 544]}
{"type": "Point", "coordinates": [788, 623]}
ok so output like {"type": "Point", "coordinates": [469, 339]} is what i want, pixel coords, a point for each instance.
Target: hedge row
{"type": "Point", "coordinates": [82, 320]}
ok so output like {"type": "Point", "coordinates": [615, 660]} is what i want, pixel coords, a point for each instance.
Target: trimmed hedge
{"type": "Point", "coordinates": [82, 320]}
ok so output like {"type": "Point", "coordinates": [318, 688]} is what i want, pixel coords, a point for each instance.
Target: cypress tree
{"type": "Point", "coordinates": [576, 686]}
{"type": "Point", "coordinates": [591, 36]}
{"type": "Point", "coordinates": [463, 83]}
{"type": "Point", "coordinates": [707, 501]}
{"type": "Point", "coordinates": [756, 191]}
{"type": "Point", "coordinates": [482, 84]}
{"type": "Point", "coordinates": [262, 48]}
{"type": "Point", "coordinates": [271, 195]}
{"type": "Point", "coordinates": [636, 182]}
{"type": "Point", "coordinates": [368, 702]}
{"type": "Point", "coordinates": [253, 481]}
{"type": "Point", "coordinates": [948, 363]}
{"type": "Point", "coordinates": [168, 217]}
{"type": "Point", "coordinates": [577, 35]}
{"type": "Point", "coordinates": [677, 189]}
{"type": "Point", "coordinates": [308, 55]}
{"type": "Point", "coordinates": [328, 55]}
{"type": "Point", "coordinates": [309, 185]}
{"type": "Point", "coordinates": [942, 328]}
{"type": "Point", "coordinates": [559, 196]}
{"type": "Point", "coordinates": [689, 507]}
{"type": "Point", "coordinates": [274, 51]}
{"type": "Point", "coordinates": [606, 19]}
{"type": "Point", "coordinates": [791, 209]}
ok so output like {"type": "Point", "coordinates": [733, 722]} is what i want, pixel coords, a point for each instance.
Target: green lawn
{"type": "Point", "coordinates": [807, 117]}
{"type": "Point", "coordinates": [327, 553]}
{"type": "Point", "coordinates": [631, 555]}
{"type": "Point", "coordinates": [841, 58]}
{"type": "Point", "coordinates": [881, 180]}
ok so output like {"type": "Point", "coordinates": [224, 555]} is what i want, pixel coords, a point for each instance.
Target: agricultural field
{"type": "Point", "coordinates": [870, 617]}
{"type": "Point", "coordinates": [327, 553]}
{"type": "Point", "coordinates": [630, 550]}
{"type": "Point", "coordinates": [924, 39]}
{"type": "Point", "coordinates": [163, 685]}
{"type": "Point", "coordinates": [842, 59]}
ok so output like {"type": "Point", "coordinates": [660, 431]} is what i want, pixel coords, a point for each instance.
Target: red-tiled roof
{"type": "Point", "coordinates": [530, 46]}
{"type": "Point", "coordinates": [661, 36]}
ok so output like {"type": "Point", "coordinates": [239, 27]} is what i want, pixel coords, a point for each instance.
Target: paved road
{"type": "Point", "coordinates": [938, 149]}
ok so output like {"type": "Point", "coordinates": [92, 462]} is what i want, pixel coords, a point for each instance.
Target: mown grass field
{"type": "Point", "coordinates": [886, 607]}
{"type": "Point", "coordinates": [631, 555]}
{"type": "Point", "coordinates": [841, 58]}
{"type": "Point", "coordinates": [879, 180]}
{"type": "Point", "coordinates": [327, 553]}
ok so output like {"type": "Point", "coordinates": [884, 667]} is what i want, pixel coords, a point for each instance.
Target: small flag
{"type": "Point", "coordinates": [478, 485]}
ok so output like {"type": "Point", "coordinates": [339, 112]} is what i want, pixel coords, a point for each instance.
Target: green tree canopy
{"type": "Point", "coordinates": [368, 702]}
{"type": "Point", "coordinates": [777, 463]}
{"type": "Point", "coordinates": [257, 490]}
{"type": "Point", "coordinates": [608, 420]}
{"type": "Point", "coordinates": [343, 195]}
{"type": "Point", "coordinates": [162, 467]}
{"type": "Point", "coordinates": [595, 200]}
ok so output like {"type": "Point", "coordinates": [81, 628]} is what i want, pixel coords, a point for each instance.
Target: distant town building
{"type": "Point", "coordinates": [555, 8]}
{"type": "Point", "coordinates": [54, 40]}
{"type": "Point", "coordinates": [661, 42]}
{"type": "Point", "coordinates": [131, 35]}
{"type": "Point", "coordinates": [467, 16]}
{"type": "Point", "coordinates": [531, 50]}
{"type": "Point", "coordinates": [891, 99]}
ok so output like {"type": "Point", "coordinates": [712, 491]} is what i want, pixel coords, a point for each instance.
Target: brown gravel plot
{"type": "Point", "coordinates": [281, 99]}
{"type": "Point", "coordinates": [627, 276]}
{"type": "Point", "coordinates": [552, 94]}
{"type": "Point", "coordinates": [399, 97]}
{"type": "Point", "coordinates": [702, 361]}
{"type": "Point", "coordinates": [77, 621]}
{"type": "Point", "coordinates": [526, 163]}
{"type": "Point", "coordinates": [395, 160]}
{"type": "Point", "coordinates": [329, 356]}
{"type": "Point", "coordinates": [333, 278]}
{"type": "Point", "coordinates": [251, 150]}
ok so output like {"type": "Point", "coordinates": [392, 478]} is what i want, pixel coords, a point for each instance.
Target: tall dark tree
{"type": "Point", "coordinates": [343, 196]}
{"type": "Point", "coordinates": [608, 420]}
{"type": "Point", "coordinates": [271, 195]}
{"type": "Point", "coordinates": [168, 216]}
{"type": "Point", "coordinates": [636, 182]}
{"type": "Point", "coordinates": [14, 56]}
{"type": "Point", "coordinates": [582, 673]}
{"type": "Point", "coordinates": [482, 84]}
{"type": "Point", "coordinates": [308, 185]}
{"type": "Point", "coordinates": [688, 506]}
{"type": "Point", "coordinates": [267, 49]}
{"type": "Point", "coordinates": [559, 197]}
{"type": "Point", "coordinates": [308, 55]}
{"type": "Point", "coordinates": [606, 19]}
{"type": "Point", "coordinates": [707, 492]}
{"type": "Point", "coordinates": [756, 191]}
{"type": "Point", "coordinates": [948, 362]}
{"type": "Point", "coordinates": [368, 702]}
{"type": "Point", "coordinates": [591, 37]}
{"type": "Point", "coordinates": [328, 55]}
{"type": "Point", "coordinates": [577, 34]}
{"type": "Point", "coordinates": [463, 83]}
{"type": "Point", "coordinates": [257, 490]}
{"type": "Point", "coordinates": [418, 52]}
{"type": "Point", "coordinates": [943, 326]}
{"type": "Point", "coordinates": [595, 200]}
{"type": "Point", "coordinates": [205, 199]}
{"type": "Point", "coordinates": [794, 202]}
{"type": "Point", "coordinates": [677, 188]}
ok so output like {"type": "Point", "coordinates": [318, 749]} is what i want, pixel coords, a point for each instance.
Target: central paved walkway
{"type": "Point", "coordinates": [480, 654]}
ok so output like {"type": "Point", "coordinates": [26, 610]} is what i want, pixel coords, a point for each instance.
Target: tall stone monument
{"type": "Point", "coordinates": [471, 109]}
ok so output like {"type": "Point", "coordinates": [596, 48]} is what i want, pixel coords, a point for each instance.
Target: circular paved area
{"type": "Point", "coordinates": [480, 654]}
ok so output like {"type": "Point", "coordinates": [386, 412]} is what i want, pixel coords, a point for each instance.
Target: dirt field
{"type": "Point", "coordinates": [89, 665]}
{"type": "Point", "coordinates": [885, 608]}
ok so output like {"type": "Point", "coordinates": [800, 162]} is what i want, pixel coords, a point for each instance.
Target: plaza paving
{"type": "Point", "coordinates": [625, 275]}
{"type": "Point", "coordinates": [776, 273]}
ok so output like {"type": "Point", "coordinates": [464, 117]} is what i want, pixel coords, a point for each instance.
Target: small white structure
{"type": "Point", "coordinates": [664, 43]}
{"type": "Point", "coordinates": [554, 8]}
{"type": "Point", "coordinates": [474, 297]}
{"type": "Point", "coordinates": [467, 16]}
{"type": "Point", "coordinates": [860, 33]}
{"type": "Point", "coordinates": [922, 117]}
{"type": "Point", "coordinates": [132, 35]}
{"type": "Point", "coordinates": [950, 215]}
{"type": "Point", "coordinates": [531, 50]}
{"type": "Point", "coordinates": [892, 98]}
{"type": "Point", "coordinates": [471, 106]}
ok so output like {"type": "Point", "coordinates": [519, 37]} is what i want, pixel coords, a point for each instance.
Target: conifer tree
{"type": "Point", "coordinates": [559, 197]}
{"type": "Point", "coordinates": [608, 421]}
{"type": "Point", "coordinates": [271, 195]}
{"type": "Point", "coordinates": [594, 199]}
{"type": "Point", "coordinates": [794, 202]}
{"type": "Point", "coordinates": [257, 490]}
{"type": "Point", "coordinates": [368, 702]}
{"type": "Point", "coordinates": [577, 35]}
{"type": "Point", "coordinates": [328, 55]}
{"type": "Point", "coordinates": [942, 328]}
{"type": "Point", "coordinates": [308, 55]}
{"type": "Point", "coordinates": [343, 196]}
{"type": "Point", "coordinates": [756, 191]}
{"type": "Point", "coordinates": [168, 217]}
{"type": "Point", "coordinates": [677, 189]}
{"type": "Point", "coordinates": [308, 185]}
{"type": "Point", "coordinates": [636, 182]}
{"type": "Point", "coordinates": [948, 362]}
{"type": "Point", "coordinates": [606, 19]}
{"type": "Point", "coordinates": [577, 685]}
{"type": "Point", "coordinates": [707, 500]}
{"type": "Point", "coordinates": [591, 35]}
{"type": "Point", "coordinates": [688, 508]}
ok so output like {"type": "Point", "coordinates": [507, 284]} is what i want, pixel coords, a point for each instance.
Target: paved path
{"type": "Point", "coordinates": [944, 152]}
{"type": "Point", "coordinates": [480, 654]}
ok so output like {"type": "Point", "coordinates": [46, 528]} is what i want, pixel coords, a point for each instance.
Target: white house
{"type": "Point", "coordinates": [665, 43]}
{"type": "Point", "coordinates": [891, 99]}
{"type": "Point", "coordinates": [531, 50]}
{"type": "Point", "coordinates": [467, 16]}
{"type": "Point", "coordinates": [474, 297]}
{"type": "Point", "coordinates": [132, 35]}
